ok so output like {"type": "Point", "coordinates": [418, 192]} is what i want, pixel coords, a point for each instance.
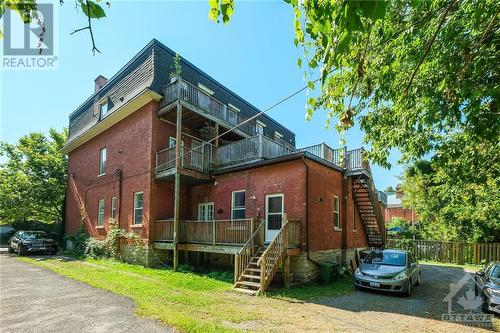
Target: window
{"type": "Point", "coordinates": [336, 212]}
{"type": "Point", "coordinates": [100, 213]}
{"type": "Point", "coordinates": [138, 205]}
{"type": "Point", "coordinates": [113, 207]}
{"type": "Point", "coordinates": [238, 205]}
{"type": "Point", "coordinates": [102, 161]}
{"type": "Point", "coordinates": [260, 127]}
{"type": "Point", "coordinates": [206, 211]}
{"type": "Point", "coordinates": [103, 109]}
{"type": "Point", "coordinates": [278, 135]}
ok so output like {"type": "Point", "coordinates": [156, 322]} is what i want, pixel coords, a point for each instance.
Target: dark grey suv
{"type": "Point", "coordinates": [32, 241]}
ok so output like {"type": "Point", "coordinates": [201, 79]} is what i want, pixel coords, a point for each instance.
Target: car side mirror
{"type": "Point", "coordinates": [413, 265]}
{"type": "Point", "coordinates": [480, 273]}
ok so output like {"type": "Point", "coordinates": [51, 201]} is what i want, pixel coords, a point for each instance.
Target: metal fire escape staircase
{"type": "Point", "coordinates": [366, 199]}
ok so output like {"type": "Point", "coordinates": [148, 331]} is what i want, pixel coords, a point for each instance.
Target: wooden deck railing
{"type": "Point", "coordinates": [325, 152]}
{"type": "Point", "coordinates": [273, 255]}
{"type": "Point", "coordinates": [217, 232]}
{"type": "Point", "coordinates": [199, 99]}
{"type": "Point", "coordinates": [247, 252]}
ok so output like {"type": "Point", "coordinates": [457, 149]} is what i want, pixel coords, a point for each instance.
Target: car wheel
{"type": "Point", "coordinates": [419, 279]}
{"type": "Point", "coordinates": [408, 289]}
{"type": "Point", "coordinates": [20, 251]}
{"type": "Point", "coordinates": [484, 306]}
{"type": "Point", "coordinates": [11, 250]}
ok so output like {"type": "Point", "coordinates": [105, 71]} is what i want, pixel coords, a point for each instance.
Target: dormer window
{"type": "Point", "coordinates": [103, 108]}
{"type": "Point", "coordinates": [278, 135]}
{"type": "Point", "coordinates": [205, 89]}
{"type": "Point", "coordinates": [260, 127]}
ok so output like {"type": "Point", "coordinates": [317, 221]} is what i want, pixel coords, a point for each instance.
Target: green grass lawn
{"type": "Point", "coordinates": [189, 301]}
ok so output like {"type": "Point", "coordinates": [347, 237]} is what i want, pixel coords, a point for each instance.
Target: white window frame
{"type": "Point", "coordinates": [233, 208]}
{"type": "Point", "coordinates": [102, 161]}
{"type": "Point", "coordinates": [136, 208]}
{"type": "Point", "coordinates": [203, 207]}
{"type": "Point", "coordinates": [103, 108]}
{"type": "Point", "coordinates": [113, 207]}
{"type": "Point", "coordinates": [336, 213]}
{"type": "Point", "coordinates": [100, 212]}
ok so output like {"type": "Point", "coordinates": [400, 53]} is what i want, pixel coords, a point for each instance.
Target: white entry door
{"type": "Point", "coordinates": [274, 215]}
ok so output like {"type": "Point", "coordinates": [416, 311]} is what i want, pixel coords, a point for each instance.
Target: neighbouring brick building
{"type": "Point", "coordinates": [236, 191]}
{"type": "Point", "coordinates": [395, 208]}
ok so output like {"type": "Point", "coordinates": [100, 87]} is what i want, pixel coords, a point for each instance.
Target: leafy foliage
{"type": "Point", "coordinates": [33, 178]}
{"type": "Point", "coordinates": [392, 66]}
{"type": "Point", "coordinates": [110, 246]}
{"type": "Point", "coordinates": [457, 193]}
{"type": "Point", "coordinates": [221, 8]}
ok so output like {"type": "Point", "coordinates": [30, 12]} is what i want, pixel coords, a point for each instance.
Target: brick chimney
{"type": "Point", "coordinates": [100, 81]}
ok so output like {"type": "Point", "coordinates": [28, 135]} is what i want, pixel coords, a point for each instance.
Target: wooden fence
{"type": "Point", "coordinates": [453, 252]}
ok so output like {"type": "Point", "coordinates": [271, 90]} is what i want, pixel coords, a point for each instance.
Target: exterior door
{"type": "Point", "coordinates": [274, 215]}
{"type": "Point", "coordinates": [171, 144]}
{"type": "Point", "coordinates": [206, 211]}
{"type": "Point", "coordinates": [196, 154]}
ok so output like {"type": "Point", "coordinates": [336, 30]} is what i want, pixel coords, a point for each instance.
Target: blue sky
{"type": "Point", "coordinates": [254, 56]}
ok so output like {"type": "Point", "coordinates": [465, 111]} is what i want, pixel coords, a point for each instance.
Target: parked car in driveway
{"type": "Point", "coordinates": [488, 287]}
{"type": "Point", "coordinates": [389, 270]}
{"type": "Point", "coordinates": [32, 241]}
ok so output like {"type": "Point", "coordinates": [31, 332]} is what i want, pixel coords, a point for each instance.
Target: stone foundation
{"type": "Point", "coordinates": [305, 267]}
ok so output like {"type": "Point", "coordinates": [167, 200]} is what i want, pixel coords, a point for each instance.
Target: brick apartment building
{"type": "Point", "coordinates": [236, 191]}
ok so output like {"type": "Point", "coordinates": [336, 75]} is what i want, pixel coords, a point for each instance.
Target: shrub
{"type": "Point", "coordinates": [78, 241]}
{"type": "Point", "coordinates": [110, 246]}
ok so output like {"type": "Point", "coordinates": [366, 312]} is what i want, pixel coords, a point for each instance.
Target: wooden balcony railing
{"type": "Point", "coordinates": [198, 159]}
{"type": "Point", "coordinates": [199, 99]}
{"type": "Point", "coordinates": [257, 147]}
{"type": "Point", "coordinates": [325, 152]}
{"type": "Point", "coordinates": [217, 232]}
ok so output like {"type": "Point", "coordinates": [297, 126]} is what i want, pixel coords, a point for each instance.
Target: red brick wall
{"type": "Point", "coordinates": [129, 147]}
{"type": "Point", "coordinates": [405, 213]}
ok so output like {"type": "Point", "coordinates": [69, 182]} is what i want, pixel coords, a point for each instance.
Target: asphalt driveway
{"type": "Point", "coordinates": [426, 300]}
{"type": "Point", "coordinates": [33, 299]}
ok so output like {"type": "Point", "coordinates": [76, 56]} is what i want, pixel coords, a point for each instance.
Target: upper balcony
{"type": "Point", "coordinates": [206, 158]}
{"type": "Point", "coordinates": [204, 105]}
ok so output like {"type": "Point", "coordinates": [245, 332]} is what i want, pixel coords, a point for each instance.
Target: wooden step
{"type": "Point", "coordinates": [248, 284]}
{"type": "Point", "coordinates": [246, 291]}
{"type": "Point", "coordinates": [253, 270]}
{"type": "Point", "coordinates": [248, 276]}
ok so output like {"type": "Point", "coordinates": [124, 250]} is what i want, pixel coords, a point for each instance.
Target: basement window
{"type": "Point", "coordinates": [336, 212]}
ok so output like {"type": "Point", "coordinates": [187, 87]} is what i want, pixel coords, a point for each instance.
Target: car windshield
{"type": "Point", "coordinates": [495, 272]}
{"type": "Point", "coordinates": [387, 258]}
{"type": "Point", "coordinates": [34, 235]}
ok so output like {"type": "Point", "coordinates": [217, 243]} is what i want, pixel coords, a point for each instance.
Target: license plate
{"type": "Point", "coordinates": [375, 284]}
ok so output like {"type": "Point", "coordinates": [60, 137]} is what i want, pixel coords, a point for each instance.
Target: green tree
{"type": "Point", "coordinates": [27, 10]}
{"type": "Point", "coordinates": [33, 178]}
{"type": "Point", "coordinates": [457, 193]}
{"type": "Point", "coordinates": [389, 189]}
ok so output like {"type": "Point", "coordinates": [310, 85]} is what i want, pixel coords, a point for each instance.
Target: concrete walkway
{"type": "Point", "coordinates": [33, 299]}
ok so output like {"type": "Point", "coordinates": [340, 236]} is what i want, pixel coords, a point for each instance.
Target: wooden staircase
{"type": "Point", "coordinates": [256, 264]}
{"type": "Point", "coordinates": [249, 281]}
{"type": "Point", "coordinates": [366, 200]}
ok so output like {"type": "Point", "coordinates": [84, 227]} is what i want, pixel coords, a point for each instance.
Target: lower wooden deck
{"type": "Point", "coordinates": [222, 249]}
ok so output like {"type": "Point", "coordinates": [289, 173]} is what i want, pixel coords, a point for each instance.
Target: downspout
{"type": "Point", "coordinates": [307, 204]}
